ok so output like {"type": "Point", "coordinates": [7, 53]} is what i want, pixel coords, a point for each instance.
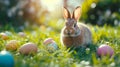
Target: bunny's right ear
{"type": "Point", "coordinates": [66, 13]}
{"type": "Point", "coordinates": [77, 13]}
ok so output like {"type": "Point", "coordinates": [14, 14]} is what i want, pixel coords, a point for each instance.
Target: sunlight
{"type": "Point", "coordinates": [3, 52]}
{"type": "Point", "coordinates": [51, 4]}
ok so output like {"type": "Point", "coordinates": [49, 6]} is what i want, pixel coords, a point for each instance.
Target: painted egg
{"type": "Point", "coordinates": [48, 41]}
{"type": "Point", "coordinates": [4, 36]}
{"type": "Point", "coordinates": [8, 33]}
{"type": "Point", "coordinates": [105, 50]}
{"type": "Point", "coordinates": [50, 44]}
{"type": "Point", "coordinates": [52, 47]}
{"type": "Point", "coordinates": [22, 34]}
{"type": "Point", "coordinates": [12, 45]}
{"type": "Point", "coordinates": [6, 59]}
{"type": "Point", "coordinates": [28, 48]}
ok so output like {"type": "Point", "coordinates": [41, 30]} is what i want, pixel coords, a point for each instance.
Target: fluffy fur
{"type": "Point", "coordinates": [75, 34]}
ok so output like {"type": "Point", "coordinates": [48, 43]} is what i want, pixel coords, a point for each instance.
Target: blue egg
{"type": "Point", "coordinates": [6, 59]}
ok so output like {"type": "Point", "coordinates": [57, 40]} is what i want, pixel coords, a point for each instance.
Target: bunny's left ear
{"type": "Point", "coordinates": [66, 13]}
{"type": "Point", "coordinates": [77, 13]}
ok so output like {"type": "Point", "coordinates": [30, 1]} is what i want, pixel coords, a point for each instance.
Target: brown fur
{"type": "Point", "coordinates": [82, 40]}
{"type": "Point", "coordinates": [75, 34]}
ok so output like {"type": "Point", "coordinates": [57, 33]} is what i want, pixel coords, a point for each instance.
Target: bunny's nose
{"type": "Point", "coordinates": [68, 33]}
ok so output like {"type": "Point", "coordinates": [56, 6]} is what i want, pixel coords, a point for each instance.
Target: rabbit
{"type": "Point", "coordinates": [75, 34]}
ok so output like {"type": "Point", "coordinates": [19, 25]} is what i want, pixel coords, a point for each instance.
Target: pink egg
{"type": "Point", "coordinates": [48, 41]}
{"type": "Point", "coordinates": [28, 48]}
{"type": "Point", "coordinates": [22, 34]}
{"type": "Point", "coordinates": [105, 50]}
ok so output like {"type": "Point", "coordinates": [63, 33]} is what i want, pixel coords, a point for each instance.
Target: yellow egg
{"type": "Point", "coordinates": [4, 36]}
{"type": "Point", "coordinates": [28, 48]}
{"type": "Point", "coordinates": [12, 45]}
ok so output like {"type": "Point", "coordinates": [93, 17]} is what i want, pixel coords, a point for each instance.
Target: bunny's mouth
{"type": "Point", "coordinates": [72, 35]}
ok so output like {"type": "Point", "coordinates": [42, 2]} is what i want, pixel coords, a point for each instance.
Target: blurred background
{"type": "Point", "coordinates": [49, 12]}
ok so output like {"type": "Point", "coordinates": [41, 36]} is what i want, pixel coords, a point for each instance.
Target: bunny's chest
{"type": "Point", "coordinates": [72, 41]}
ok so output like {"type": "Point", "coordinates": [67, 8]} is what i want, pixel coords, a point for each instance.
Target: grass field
{"type": "Point", "coordinates": [65, 57]}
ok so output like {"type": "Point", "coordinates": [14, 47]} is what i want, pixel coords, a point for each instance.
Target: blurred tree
{"type": "Point", "coordinates": [33, 11]}
{"type": "Point", "coordinates": [103, 12]}
{"type": "Point", "coordinates": [93, 11]}
{"type": "Point", "coordinates": [6, 12]}
{"type": "Point", "coordinates": [16, 12]}
{"type": "Point", "coordinates": [86, 6]}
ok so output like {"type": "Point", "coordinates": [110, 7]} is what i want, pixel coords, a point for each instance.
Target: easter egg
{"type": "Point", "coordinates": [52, 47]}
{"type": "Point", "coordinates": [28, 48]}
{"type": "Point", "coordinates": [8, 33]}
{"type": "Point", "coordinates": [48, 41]}
{"type": "Point", "coordinates": [50, 44]}
{"type": "Point", "coordinates": [12, 45]}
{"type": "Point", "coordinates": [105, 50]}
{"type": "Point", "coordinates": [4, 36]}
{"type": "Point", "coordinates": [22, 34]}
{"type": "Point", "coordinates": [6, 59]}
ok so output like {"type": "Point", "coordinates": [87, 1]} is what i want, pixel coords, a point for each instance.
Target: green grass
{"type": "Point", "coordinates": [65, 57]}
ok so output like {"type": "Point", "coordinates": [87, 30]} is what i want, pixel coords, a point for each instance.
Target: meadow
{"type": "Point", "coordinates": [46, 21]}
{"type": "Point", "coordinates": [64, 57]}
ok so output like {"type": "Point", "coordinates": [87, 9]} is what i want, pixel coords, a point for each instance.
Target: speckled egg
{"type": "Point", "coordinates": [6, 59]}
{"type": "Point", "coordinates": [28, 48]}
{"type": "Point", "coordinates": [50, 44]}
{"type": "Point", "coordinates": [12, 45]}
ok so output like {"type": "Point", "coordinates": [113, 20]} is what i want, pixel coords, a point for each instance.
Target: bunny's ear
{"type": "Point", "coordinates": [66, 13]}
{"type": "Point", "coordinates": [77, 13]}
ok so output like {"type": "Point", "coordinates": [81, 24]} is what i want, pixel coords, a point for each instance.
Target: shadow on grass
{"type": "Point", "coordinates": [84, 53]}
